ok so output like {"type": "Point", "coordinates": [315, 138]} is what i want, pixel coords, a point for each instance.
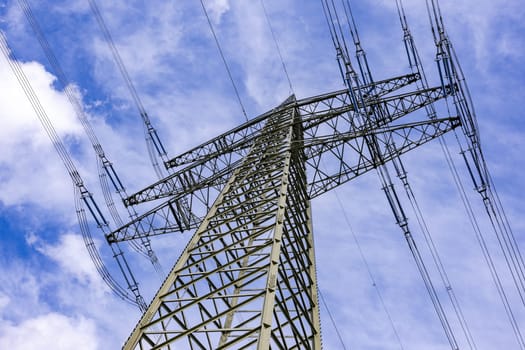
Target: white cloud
{"type": "Point", "coordinates": [57, 296]}
{"type": "Point", "coordinates": [26, 149]}
{"type": "Point", "coordinates": [4, 300]}
{"type": "Point", "coordinates": [71, 255]}
{"type": "Point", "coordinates": [49, 331]}
{"type": "Point", "coordinates": [18, 284]}
{"type": "Point", "coordinates": [31, 238]}
{"type": "Point", "coordinates": [479, 29]}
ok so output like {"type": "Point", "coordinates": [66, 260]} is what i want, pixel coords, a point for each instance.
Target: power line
{"type": "Point", "coordinates": [83, 198]}
{"type": "Point", "coordinates": [224, 60]}
{"type": "Point", "coordinates": [332, 319]}
{"type": "Point", "coordinates": [414, 63]}
{"type": "Point", "coordinates": [277, 46]}
{"type": "Point", "coordinates": [369, 270]}
{"type": "Point", "coordinates": [366, 114]}
{"type": "Point", "coordinates": [155, 147]}
{"type": "Point", "coordinates": [450, 72]}
{"type": "Point", "coordinates": [107, 173]}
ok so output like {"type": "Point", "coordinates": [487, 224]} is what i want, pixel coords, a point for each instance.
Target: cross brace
{"type": "Point", "coordinates": [333, 142]}
{"type": "Point", "coordinates": [247, 277]}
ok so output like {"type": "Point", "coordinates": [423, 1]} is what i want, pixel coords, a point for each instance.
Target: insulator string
{"type": "Point", "coordinates": [83, 197]}
{"type": "Point", "coordinates": [105, 167]}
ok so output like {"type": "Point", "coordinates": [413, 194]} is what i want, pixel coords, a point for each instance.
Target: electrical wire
{"type": "Point", "coordinates": [369, 271]}
{"type": "Point", "coordinates": [451, 72]}
{"type": "Point", "coordinates": [362, 61]}
{"type": "Point", "coordinates": [228, 70]}
{"type": "Point", "coordinates": [332, 320]}
{"type": "Point", "coordinates": [277, 47]}
{"type": "Point", "coordinates": [105, 167]}
{"type": "Point", "coordinates": [414, 63]}
{"type": "Point", "coordinates": [372, 144]}
{"type": "Point", "coordinates": [154, 145]}
{"type": "Point", "coordinates": [402, 221]}
{"type": "Point", "coordinates": [484, 247]}
{"type": "Point", "coordinates": [83, 198]}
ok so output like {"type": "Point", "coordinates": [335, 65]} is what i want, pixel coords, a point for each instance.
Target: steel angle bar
{"type": "Point", "coordinates": [188, 178]}
{"type": "Point", "coordinates": [409, 136]}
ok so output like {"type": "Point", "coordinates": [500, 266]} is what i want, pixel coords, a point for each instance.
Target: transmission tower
{"type": "Point", "coordinates": [247, 276]}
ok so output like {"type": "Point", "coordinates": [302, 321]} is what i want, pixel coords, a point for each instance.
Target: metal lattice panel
{"type": "Point", "coordinates": [247, 277]}
{"type": "Point", "coordinates": [332, 132]}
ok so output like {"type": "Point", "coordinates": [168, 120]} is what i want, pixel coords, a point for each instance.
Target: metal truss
{"type": "Point", "coordinates": [247, 277]}
{"type": "Point", "coordinates": [334, 144]}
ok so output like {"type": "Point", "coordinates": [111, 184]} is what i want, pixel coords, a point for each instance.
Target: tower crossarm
{"type": "Point", "coordinates": [190, 178]}
{"type": "Point", "coordinates": [394, 141]}
{"type": "Point", "coordinates": [329, 113]}
{"type": "Point", "coordinates": [243, 135]}
{"type": "Point", "coordinates": [338, 115]}
{"type": "Point", "coordinates": [169, 217]}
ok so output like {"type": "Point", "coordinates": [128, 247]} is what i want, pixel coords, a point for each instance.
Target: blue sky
{"type": "Point", "coordinates": [50, 294]}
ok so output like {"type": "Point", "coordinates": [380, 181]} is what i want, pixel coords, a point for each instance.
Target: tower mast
{"type": "Point", "coordinates": [248, 274]}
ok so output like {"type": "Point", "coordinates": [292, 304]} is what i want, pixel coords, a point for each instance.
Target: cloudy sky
{"type": "Point", "coordinates": [51, 295]}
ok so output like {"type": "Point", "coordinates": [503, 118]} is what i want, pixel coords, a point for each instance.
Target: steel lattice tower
{"type": "Point", "coordinates": [248, 274]}
{"type": "Point", "coordinates": [247, 277]}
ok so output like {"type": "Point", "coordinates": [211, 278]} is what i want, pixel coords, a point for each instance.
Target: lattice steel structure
{"type": "Point", "coordinates": [248, 274]}
{"type": "Point", "coordinates": [247, 277]}
{"type": "Point", "coordinates": [335, 135]}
